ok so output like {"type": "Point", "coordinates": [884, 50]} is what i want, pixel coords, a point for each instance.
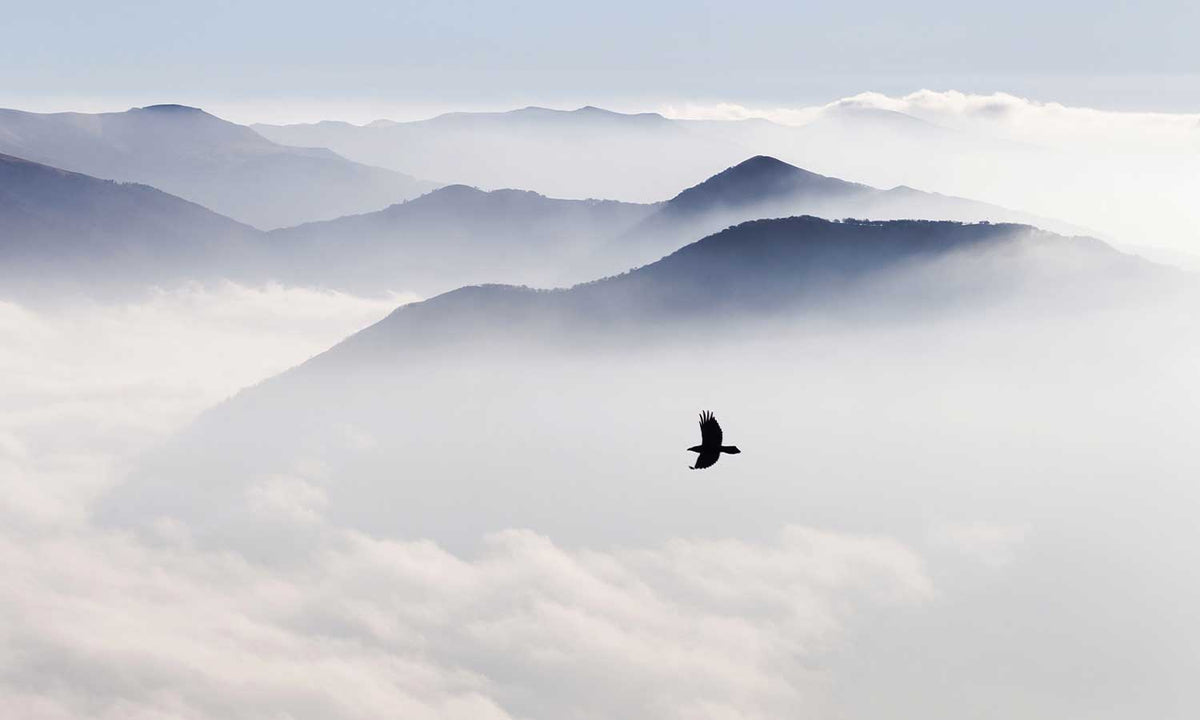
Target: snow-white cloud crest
{"type": "Point", "coordinates": [998, 112]}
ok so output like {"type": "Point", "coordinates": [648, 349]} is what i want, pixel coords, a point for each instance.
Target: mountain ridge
{"type": "Point", "coordinates": [66, 226]}
{"type": "Point", "coordinates": [193, 154]}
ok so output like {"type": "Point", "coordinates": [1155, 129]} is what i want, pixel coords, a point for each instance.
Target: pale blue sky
{"type": "Point", "coordinates": [456, 53]}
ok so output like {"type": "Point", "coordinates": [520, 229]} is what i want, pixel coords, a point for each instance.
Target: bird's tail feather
{"type": "Point", "coordinates": [731, 449]}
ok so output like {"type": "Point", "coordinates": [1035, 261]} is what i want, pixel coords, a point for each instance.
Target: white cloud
{"type": "Point", "coordinates": [98, 625]}
{"type": "Point", "coordinates": [998, 113]}
{"type": "Point", "coordinates": [85, 384]}
{"type": "Point", "coordinates": [1043, 122]}
{"type": "Point", "coordinates": [993, 544]}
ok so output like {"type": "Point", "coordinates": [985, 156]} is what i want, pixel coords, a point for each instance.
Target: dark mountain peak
{"type": "Point", "coordinates": [513, 194]}
{"type": "Point", "coordinates": [763, 163]}
{"type": "Point", "coordinates": [761, 179]}
{"type": "Point", "coordinates": [180, 124]}
{"type": "Point", "coordinates": [446, 197]}
{"type": "Point", "coordinates": [465, 193]}
{"type": "Point", "coordinates": [184, 116]}
{"type": "Point", "coordinates": [457, 199]}
{"type": "Point", "coordinates": [457, 190]}
{"type": "Point", "coordinates": [170, 108]}
{"type": "Point", "coordinates": [599, 112]}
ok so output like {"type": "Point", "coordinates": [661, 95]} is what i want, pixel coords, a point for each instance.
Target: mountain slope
{"type": "Point", "coordinates": [454, 236]}
{"type": "Point", "coordinates": [759, 181]}
{"type": "Point", "coordinates": [223, 166]}
{"type": "Point", "coordinates": [58, 224]}
{"type": "Point", "coordinates": [765, 187]}
{"type": "Point", "coordinates": [786, 265]}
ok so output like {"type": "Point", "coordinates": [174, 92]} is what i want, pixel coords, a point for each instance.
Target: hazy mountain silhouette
{"type": "Point", "coordinates": [757, 183]}
{"type": "Point", "coordinates": [583, 153]}
{"type": "Point", "coordinates": [644, 157]}
{"type": "Point", "coordinates": [769, 268]}
{"type": "Point", "coordinates": [460, 235]}
{"type": "Point", "coordinates": [59, 225]}
{"type": "Point", "coordinates": [765, 187]}
{"type": "Point", "coordinates": [223, 166]}
{"type": "Point", "coordinates": [761, 279]}
{"type": "Point", "coordinates": [454, 236]}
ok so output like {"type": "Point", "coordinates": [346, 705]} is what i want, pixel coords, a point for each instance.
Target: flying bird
{"type": "Point", "coordinates": [710, 448]}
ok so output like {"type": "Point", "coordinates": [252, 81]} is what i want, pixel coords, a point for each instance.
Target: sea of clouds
{"type": "Point", "coordinates": [1063, 591]}
{"type": "Point", "coordinates": [96, 622]}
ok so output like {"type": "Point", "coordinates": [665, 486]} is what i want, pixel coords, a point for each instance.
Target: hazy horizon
{"type": "Point", "coordinates": [363, 111]}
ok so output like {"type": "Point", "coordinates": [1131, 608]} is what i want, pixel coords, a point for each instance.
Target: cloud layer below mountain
{"type": "Point", "coordinates": [936, 545]}
{"type": "Point", "coordinates": [99, 623]}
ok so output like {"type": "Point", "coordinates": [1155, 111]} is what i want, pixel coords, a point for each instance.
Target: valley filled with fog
{"type": "Point", "coordinates": [404, 433]}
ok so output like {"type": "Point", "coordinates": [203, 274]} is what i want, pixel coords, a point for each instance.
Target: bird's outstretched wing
{"type": "Point", "coordinates": [710, 433]}
{"type": "Point", "coordinates": [706, 459]}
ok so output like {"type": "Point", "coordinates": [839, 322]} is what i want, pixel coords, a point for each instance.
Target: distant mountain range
{"type": "Point", "coordinates": [643, 157]}
{"type": "Point", "coordinates": [460, 235]}
{"type": "Point", "coordinates": [453, 236]}
{"type": "Point", "coordinates": [457, 235]}
{"type": "Point", "coordinates": [584, 153]}
{"type": "Point", "coordinates": [764, 187]}
{"type": "Point", "coordinates": [226, 167]}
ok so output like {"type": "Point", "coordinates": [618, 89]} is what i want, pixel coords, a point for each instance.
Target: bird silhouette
{"type": "Point", "coordinates": [710, 448]}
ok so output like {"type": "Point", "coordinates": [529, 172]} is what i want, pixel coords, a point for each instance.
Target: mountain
{"type": "Point", "coordinates": [226, 167]}
{"type": "Point", "coordinates": [459, 235]}
{"type": "Point", "coordinates": [761, 181]}
{"type": "Point", "coordinates": [642, 157]}
{"type": "Point", "coordinates": [763, 268]}
{"type": "Point", "coordinates": [584, 153]}
{"type": "Point", "coordinates": [646, 158]}
{"type": "Point", "coordinates": [59, 225]}
{"type": "Point", "coordinates": [468, 404]}
{"type": "Point", "coordinates": [453, 236]}
{"type": "Point", "coordinates": [765, 187]}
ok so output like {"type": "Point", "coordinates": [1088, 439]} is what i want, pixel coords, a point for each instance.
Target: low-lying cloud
{"type": "Point", "coordinates": [85, 385]}
{"type": "Point", "coordinates": [975, 516]}
{"type": "Point", "coordinates": [101, 623]}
